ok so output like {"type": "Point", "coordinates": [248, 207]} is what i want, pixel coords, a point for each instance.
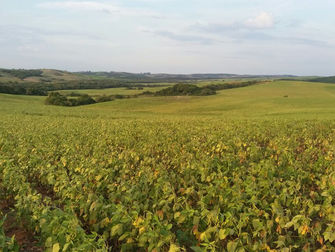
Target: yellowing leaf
{"type": "Point", "coordinates": [55, 247]}
{"type": "Point", "coordinates": [222, 234]}
{"type": "Point", "coordinates": [141, 230]}
{"type": "Point", "coordinates": [174, 248]}
{"type": "Point", "coordinates": [203, 236]}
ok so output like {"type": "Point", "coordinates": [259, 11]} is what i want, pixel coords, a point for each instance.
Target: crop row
{"type": "Point", "coordinates": [201, 185]}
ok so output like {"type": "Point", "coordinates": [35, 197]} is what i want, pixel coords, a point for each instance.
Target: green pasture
{"type": "Point", "coordinates": [275, 99]}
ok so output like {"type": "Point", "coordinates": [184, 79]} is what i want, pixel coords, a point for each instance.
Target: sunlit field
{"type": "Point", "coordinates": [248, 169]}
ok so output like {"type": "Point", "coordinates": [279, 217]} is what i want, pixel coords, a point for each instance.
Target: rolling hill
{"type": "Point", "coordinates": [51, 75]}
{"type": "Point", "coordinates": [284, 99]}
{"type": "Point", "coordinates": [39, 75]}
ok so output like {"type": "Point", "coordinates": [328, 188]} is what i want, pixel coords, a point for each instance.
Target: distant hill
{"type": "Point", "coordinates": [163, 76]}
{"type": "Point", "coordinates": [330, 79]}
{"type": "Point", "coordinates": [39, 75]}
{"type": "Point", "coordinates": [50, 75]}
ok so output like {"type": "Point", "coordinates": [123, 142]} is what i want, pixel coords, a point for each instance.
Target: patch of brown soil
{"type": "Point", "coordinates": [23, 236]}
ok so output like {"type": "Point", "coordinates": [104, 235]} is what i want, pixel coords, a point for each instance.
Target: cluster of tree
{"type": "Point", "coordinates": [330, 79]}
{"type": "Point", "coordinates": [88, 84]}
{"type": "Point", "coordinates": [76, 99]}
{"type": "Point", "coordinates": [22, 73]}
{"type": "Point", "coordinates": [20, 90]}
{"type": "Point", "coordinates": [55, 98]}
{"type": "Point", "coordinates": [222, 86]}
{"type": "Point", "coordinates": [193, 90]}
{"type": "Point", "coordinates": [185, 89]}
{"type": "Point", "coordinates": [41, 88]}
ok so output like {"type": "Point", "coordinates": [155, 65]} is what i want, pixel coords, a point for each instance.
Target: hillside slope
{"type": "Point", "coordinates": [40, 75]}
{"type": "Point", "coordinates": [284, 99]}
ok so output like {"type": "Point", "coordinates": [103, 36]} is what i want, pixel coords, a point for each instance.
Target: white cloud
{"type": "Point", "coordinates": [262, 21]}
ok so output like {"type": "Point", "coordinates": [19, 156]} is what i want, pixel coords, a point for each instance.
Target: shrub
{"type": "Point", "coordinates": [85, 99]}
{"type": "Point", "coordinates": [55, 98]}
{"type": "Point", "coordinates": [58, 99]}
{"type": "Point", "coordinates": [103, 98]}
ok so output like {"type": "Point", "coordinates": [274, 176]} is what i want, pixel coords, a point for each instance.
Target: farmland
{"type": "Point", "coordinates": [247, 169]}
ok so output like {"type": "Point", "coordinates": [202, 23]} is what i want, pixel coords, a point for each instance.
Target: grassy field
{"type": "Point", "coordinates": [278, 99]}
{"type": "Point", "coordinates": [248, 169]}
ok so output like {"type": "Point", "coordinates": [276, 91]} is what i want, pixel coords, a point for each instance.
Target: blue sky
{"type": "Point", "coordinates": [173, 36]}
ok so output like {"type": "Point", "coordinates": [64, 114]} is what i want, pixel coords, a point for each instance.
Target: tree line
{"type": "Point", "coordinates": [193, 90]}
{"type": "Point", "coordinates": [42, 88]}
{"type": "Point", "coordinates": [20, 90]}
{"type": "Point", "coordinates": [76, 99]}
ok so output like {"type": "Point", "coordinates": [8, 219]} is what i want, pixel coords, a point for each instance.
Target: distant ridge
{"type": "Point", "coordinates": [126, 75]}
{"type": "Point", "coordinates": [38, 75]}
{"type": "Point", "coordinates": [53, 75]}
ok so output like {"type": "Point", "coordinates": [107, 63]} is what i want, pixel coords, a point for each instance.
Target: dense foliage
{"type": "Point", "coordinates": [76, 99]}
{"type": "Point", "coordinates": [41, 88]}
{"type": "Point", "coordinates": [20, 90]}
{"type": "Point", "coordinates": [177, 185]}
{"type": "Point", "coordinates": [222, 86]}
{"type": "Point", "coordinates": [55, 98]}
{"type": "Point", "coordinates": [185, 89]}
{"type": "Point", "coordinates": [330, 79]}
{"type": "Point", "coordinates": [181, 89]}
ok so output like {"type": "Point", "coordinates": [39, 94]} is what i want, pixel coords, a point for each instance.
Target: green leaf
{"type": "Point", "coordinates": [124, 236]}
{"type": "Point", "coordinates": [66, 246]}
{"type": "Point", "coordinates": [257, 224]}
{"type": "Point", "coordinates": [196, 249]}
{"type": "Point", "coordinates": [329, 236]}
{"type": "Point", "coordinates": [117, 229]}
{"type": "Point", "coordinates": [48, 242]}
{"type": "Point", "coordinates": [231, 246]}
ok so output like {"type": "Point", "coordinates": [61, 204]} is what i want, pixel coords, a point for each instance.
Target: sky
{"type": "Point", "coordinates": [170, 36]}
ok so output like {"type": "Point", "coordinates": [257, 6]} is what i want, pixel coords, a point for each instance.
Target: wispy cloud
{"type": "Point", "coordinates": [85, 5]}
{"type": "Point", "coordinates": [179, 36]}
{"type": "Point", "coordinates": [108, 8]}
{"type": "Point", "coordinates": [259, 29]}
{"type": "Point", "coordinates": [262, 21]}
{"type": "Point", "coordinates": [26, 38]}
